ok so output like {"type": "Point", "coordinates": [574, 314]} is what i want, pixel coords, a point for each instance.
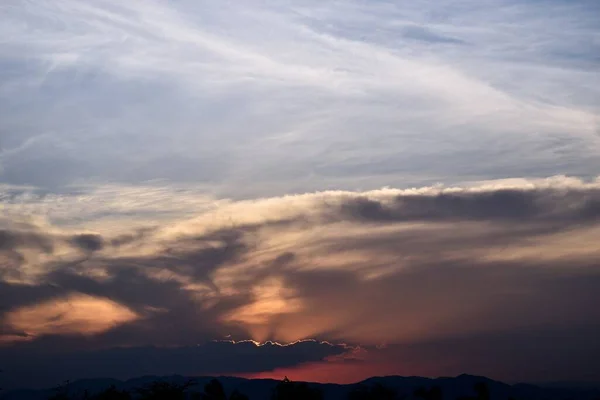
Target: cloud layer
{"type": "Point", "coordinates": [302, 97]}
{"type": "Point", "coordinates": [51, 367]}
{"type": "Point", "coordinates": [435, 273]}
{"type": "Point", "coordinates": [153, 157]}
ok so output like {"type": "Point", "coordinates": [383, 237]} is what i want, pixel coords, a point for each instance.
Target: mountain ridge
{"type": "Point", "coordinates": [257, 389]}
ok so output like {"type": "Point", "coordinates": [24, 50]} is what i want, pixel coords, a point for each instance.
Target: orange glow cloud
{"type": "Point", "coordinates": [271, 299]}
{"type": "Point", "coordinates": [75, 314]}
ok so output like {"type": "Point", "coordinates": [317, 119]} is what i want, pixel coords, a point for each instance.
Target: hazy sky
{"type": "Point", "coordinates": [405, 187]}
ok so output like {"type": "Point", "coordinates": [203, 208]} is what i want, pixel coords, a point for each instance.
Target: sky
{"type": "Point", "coordinates": [327, 190]}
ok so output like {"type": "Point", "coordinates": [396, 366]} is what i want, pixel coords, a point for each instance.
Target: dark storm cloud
{"type": "Point", "coordinates": [417, 269]}
{"type": "Point", "coordinates": [503, 204]}
{"type": "Point", "coordinates": [23, 362]}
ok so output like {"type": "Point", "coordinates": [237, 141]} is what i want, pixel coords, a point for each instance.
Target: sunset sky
{"type": "Point", "coordinates": [327, 190]}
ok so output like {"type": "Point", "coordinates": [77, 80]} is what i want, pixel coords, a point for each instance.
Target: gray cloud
{"type": "Point", "coordinates": [90, 242]}
{"type": "Point", "coordinates": [13, 240]}
{"type": "Point", "coordinates": [428, 35]}
{"type": "Point", "coordinates": [413, 269]}
{"type": "Point", "coordinates": [209, 358]}
{"type": "Point", "coordinates": [504, 204]}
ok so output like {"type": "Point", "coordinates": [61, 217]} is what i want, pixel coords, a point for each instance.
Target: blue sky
{"type": "Point", "coordinates": [228, 168]}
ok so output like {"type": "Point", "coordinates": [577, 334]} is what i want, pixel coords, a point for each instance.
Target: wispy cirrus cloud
{"type": "Point", "coordinates": [299, 97]}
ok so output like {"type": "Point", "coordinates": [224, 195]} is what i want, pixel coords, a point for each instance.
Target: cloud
{"type": "Point", "coordinates": [10, 240]}
{"type": "Point", "coordinates": [501, 204]}
{"type": "Point", "coordinates": [153, 157]}
{"type": "Point", "coordinates": [505, 356]}
{"type": "Point", "coordinates": [75, 314]}
{"type": "Point", "coordinates": [222, 357]}
{"type": "Point", "coordinates": [406, 268]}
{"type": "Point", "coordinates": [112, 92]}
{"type": "Point", "coordinates": [421, 33]}
{"type": "Point", "coordinates": [90, 242]}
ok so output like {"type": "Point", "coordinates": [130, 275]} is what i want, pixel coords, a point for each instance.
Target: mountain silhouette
{"type": "Point", "coordinates": [408, 388]}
